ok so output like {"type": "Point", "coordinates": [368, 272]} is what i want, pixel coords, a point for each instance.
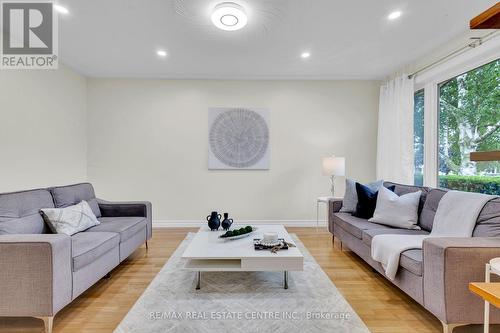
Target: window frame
{"type": "Point", "coordinates": [430, 81]}
{"type": "Point", "coordinates": [439, 85]}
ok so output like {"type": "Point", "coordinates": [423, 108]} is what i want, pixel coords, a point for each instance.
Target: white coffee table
{"type": "Point", "coordinates": [209, 253]}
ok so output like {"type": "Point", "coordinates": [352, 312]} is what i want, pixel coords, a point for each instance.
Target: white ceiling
{"type": "Point", "coordinates": [346, 38]}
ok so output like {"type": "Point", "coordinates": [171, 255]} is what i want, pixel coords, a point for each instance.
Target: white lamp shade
{"type": "Point", "coordinates": [334, 166]}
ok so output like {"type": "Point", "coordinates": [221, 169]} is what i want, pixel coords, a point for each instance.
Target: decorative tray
{"type": "Point", "coordinates": [254, 229]}
{"type": "Point", "coordinates": [259, 246]}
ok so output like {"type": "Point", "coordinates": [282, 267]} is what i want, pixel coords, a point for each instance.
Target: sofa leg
{"type": "Point", "coordinates": [341, 246]}
{"type": "Point", "coordinates": [107, 276]}
{"type": "Point", "coordinates": [147, 245]}
{"type": "Point", "coordinates": [47, 322]}
{"type": "Point", "coordinates": [333, 239]}
{"type": "Point", "coordinates": [448, 328]}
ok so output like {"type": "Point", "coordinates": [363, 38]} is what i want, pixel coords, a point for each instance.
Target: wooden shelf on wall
{"type": "Point", "coordinates": [482, 156]}
{"type": "Point", "coordinates": [489, 19]}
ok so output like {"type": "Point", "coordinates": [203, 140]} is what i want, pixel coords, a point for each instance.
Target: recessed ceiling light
{"type": "Point", "coordinates": [229, 16]}
{"type": "Point", "coordinates": [305, 55]}
{"type": "Point", "coordinates": [394, 15]}
{"type": "Point", "coordinates": [161, 53]}
{"type": "Point", "coordinates": [61, 9]}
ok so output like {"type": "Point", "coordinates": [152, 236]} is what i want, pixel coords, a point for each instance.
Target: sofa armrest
{"type": "Point", "coordinates": [35, 274]}
{"type": "Point", "coordinates": [449, 265]}
{"type": "Point", "coordinates": [334, 206]}
{"type": "Point", "coordinates": [128, 208]}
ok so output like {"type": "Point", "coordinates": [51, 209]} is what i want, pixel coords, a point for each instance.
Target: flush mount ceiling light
{"type": "Point", "coordinates": [161, 53]}
{"type": "Point", "coordinates": [229, 16]}
{"type": "Point", "coordinates": [305, 55]}
{"type": "Point", "coordinates": [394, 15]}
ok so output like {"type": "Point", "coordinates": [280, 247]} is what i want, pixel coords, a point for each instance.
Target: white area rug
{"type": "Point", "coordinates": [241, 302]}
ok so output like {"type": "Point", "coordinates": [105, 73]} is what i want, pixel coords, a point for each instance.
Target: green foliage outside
{"type": "Point", "coordinates": [481, 184]}
{"type": "Point", "coordinates": [418, 129]}
{"type": "Point", "coordinates": [418, 179]}
{"type": "Point", "coordinates": [469, 120]}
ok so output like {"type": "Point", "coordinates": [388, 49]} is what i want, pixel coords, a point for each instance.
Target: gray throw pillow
{"type": "Point", "coordinates": [397, 211]}
{"type": "Point", "coordinates": [70, 220]}
{"type": "Point", "coordinates": [351, 196]}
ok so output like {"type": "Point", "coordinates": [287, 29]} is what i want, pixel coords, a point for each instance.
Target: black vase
{"type": "Point", "coordinates": [214, 221]}
{"type": "Point", "coordinates": [226, 223]}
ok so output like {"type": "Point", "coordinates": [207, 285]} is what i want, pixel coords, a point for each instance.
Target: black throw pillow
{"type": "Point", "coordinates": [367, 201]}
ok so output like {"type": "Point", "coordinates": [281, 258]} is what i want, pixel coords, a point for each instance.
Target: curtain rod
{"type": "Point", "coordinates": [476, 41]}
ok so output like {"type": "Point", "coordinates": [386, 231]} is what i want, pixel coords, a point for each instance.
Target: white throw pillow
{"type": "Point", "coordinates": [397, 211]}
{"type": "Point", "coordinates": [70, 220]}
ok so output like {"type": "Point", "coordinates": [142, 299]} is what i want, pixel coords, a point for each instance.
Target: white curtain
{"type": "Point", "coordinates": [395, 131]}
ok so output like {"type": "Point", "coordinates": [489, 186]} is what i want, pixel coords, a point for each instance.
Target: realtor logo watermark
{"type": "Point", "coordinates": [29, 35]}
{"type": "Point", "coordinates": [248, 315]}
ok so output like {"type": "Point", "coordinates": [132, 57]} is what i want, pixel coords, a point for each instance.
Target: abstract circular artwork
{"type": "Point", "coordinates": [238, 138]}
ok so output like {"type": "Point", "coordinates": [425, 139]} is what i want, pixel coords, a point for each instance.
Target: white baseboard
{"type": "Point", "coordinates": [198, 223]}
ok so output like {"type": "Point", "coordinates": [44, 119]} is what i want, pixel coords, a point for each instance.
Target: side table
{"type": "Point", "coordinates": [324, 200]}
{"type": "Point", "coordinates": [488, 291]}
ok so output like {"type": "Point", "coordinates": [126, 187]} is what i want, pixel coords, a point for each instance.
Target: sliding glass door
{"type": "Point", "coordinates": [469, 121]}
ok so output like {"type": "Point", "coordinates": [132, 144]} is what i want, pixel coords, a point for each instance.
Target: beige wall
{"type": "Point", "coordinates": [147, 139]}
{"type": "Point", "coordinates": [43, 128]}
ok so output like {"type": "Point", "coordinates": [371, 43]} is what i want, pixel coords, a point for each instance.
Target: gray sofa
{"type": "Point", "coordinates": [437, 276]}
{"type": "Point", "coordinates": [42, 272]}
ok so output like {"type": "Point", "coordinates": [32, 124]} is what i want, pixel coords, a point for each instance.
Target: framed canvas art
{"type": "Point", "coordinates": [238, 138]}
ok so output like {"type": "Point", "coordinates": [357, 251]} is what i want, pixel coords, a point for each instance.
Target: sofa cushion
{"type": "Point", "coordinates": [412, 260]}
{"type": "Point", "coordinates": [397, 211]}
{"type": "Point", "coordinates": [430, 206]}
{"type": "Point", "coordinates": [355, 225]}
{"type": "Point", "coordinates": [367, 201]}
{"type": "Point", "coordinates": [31, 224]}
{"type": "Point", "coordinates": [125, 226]}
{"type": "Point", "coordinates": [70, 220]}
{"type": "Point", "coordinates": [369, 234]}
{"type": "Point", "coordinates": [488, 222]}
{"type": "Point", "coordinates": [20, 212]}
{"type": "Point", "coordinates": [401, 189]}
{"type": "Point", "coordinates": [70, 195]}
{"type": "Point", "coordinates": [351, 196]}
{"type": "Point", "coordinates": [89, 246]}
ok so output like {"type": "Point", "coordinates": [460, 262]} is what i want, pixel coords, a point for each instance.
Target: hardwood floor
{"type": "Point", "coordinates": [383, 307]}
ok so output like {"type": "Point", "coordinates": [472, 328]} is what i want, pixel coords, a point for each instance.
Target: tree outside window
{"type": "Point", "coordinates": [418, 138]}
{"type": "Point", "coordinates": [469, 120]}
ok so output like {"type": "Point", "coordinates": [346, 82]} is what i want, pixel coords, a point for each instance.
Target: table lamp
{"type": "Point", "coordinates": [333, 166]}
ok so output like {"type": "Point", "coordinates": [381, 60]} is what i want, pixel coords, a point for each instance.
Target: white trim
{"type": "Point", "coordinates": [198, 223]}
{"type": "Point", "coordinates": [430, 135]}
